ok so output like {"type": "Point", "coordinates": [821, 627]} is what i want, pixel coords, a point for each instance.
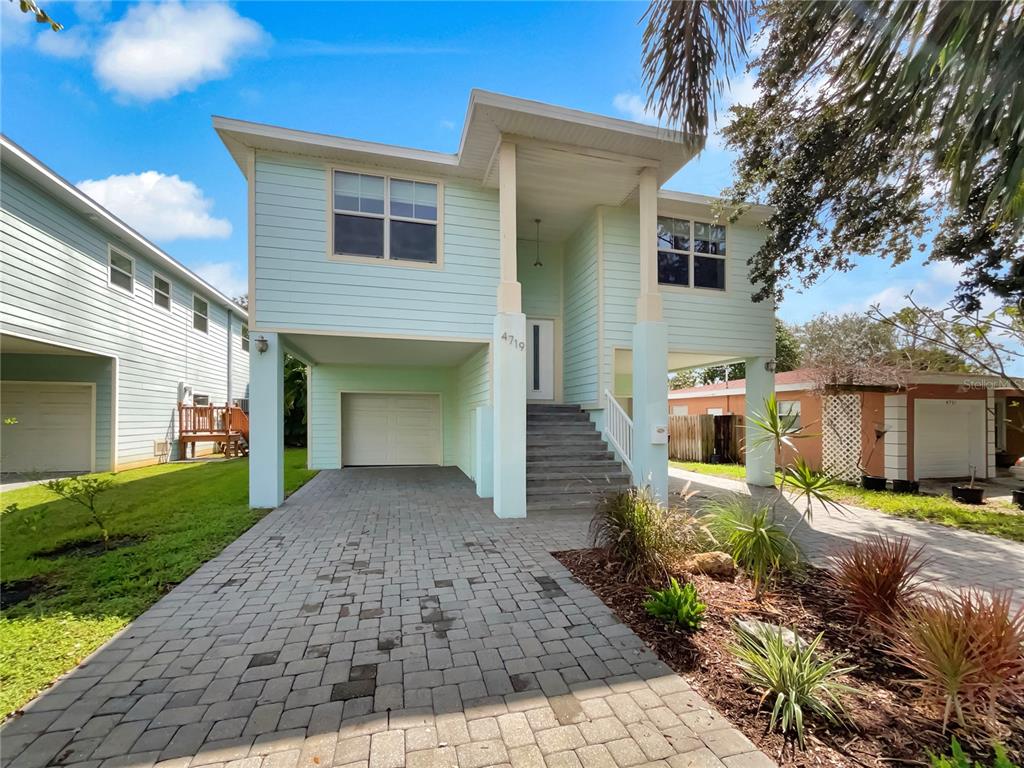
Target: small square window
{"type": "Point", "coordinates": [200, 400]}
{"type": "Point", "coordinates": [245, 337]}
{"type": "Point", "coordinates": [673, 234]}
{"type": "Point", "coordinates": [200, 314]}
{"type": "Point", "coordinates": [358, 193]}
{"type": "Point", "coordinates": [122, 271]}
{"type": "Point", "coordinates": [161, 292]}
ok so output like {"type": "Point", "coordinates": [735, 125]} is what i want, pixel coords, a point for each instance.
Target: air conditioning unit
{"type": "Point", "coordinates": [161, 448]}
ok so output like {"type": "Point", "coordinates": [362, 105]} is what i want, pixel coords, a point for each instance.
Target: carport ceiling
{"type": "Point", "coordinates": [361, 350]}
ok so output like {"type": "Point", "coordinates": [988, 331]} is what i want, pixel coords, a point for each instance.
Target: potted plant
{"type": "Point", "coordinates": [969, 494]}
{"type": "Point", "coordinates": [905, 486]}
{"type": "Point", "coordinates": [1018, 498]}
{"type": "Point", "coordinates": [867, 481]}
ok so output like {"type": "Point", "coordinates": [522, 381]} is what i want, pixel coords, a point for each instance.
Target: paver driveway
{"type": "Point", "coordinates": [379, 618]}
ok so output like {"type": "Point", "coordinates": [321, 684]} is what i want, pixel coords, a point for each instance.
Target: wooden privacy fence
{"type": "Point", "coordinates": [699, 437]}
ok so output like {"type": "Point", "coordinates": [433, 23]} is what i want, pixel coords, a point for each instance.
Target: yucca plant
{"type": "Point", "coordinates": [879, 577]}
{"type": "Point", "coordinates": [792, 677]}
{"type": "Point", "coordinates": [967, 650]}
{"type": "Point", "coordinates": [637, 532]}
{"type": "Point", "coordinates": [810, 486]}
{"type": "Point", "coordinates": [759, 546]}
{"type": "Point", "coordinates": [677, 605]}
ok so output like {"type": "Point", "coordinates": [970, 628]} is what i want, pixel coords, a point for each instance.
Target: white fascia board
{"type": "Point", "coordinates": [59, 187]}
{"type": "Point", "coordinates": [737, 391]}
{"type": "Point", "coordinates": [754, 211]}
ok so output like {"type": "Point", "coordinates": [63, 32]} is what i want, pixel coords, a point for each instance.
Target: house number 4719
{"type": "Point", "coordinates": [513, 341]}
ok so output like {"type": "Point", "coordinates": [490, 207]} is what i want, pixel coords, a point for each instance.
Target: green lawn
{"type": "Point", "coordinates": [937, 509]}
{"type": "Point", "coordinates": [182, 516]}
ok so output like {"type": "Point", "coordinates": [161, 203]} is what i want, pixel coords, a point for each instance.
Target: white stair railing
{"type": "Point", "coordinates": [618, 428]}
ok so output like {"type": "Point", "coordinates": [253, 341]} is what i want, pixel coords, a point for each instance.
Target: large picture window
{"type": "Point", "coordinates": [379, 217]}
{"type": "Point", "coordinates": [691, 253]}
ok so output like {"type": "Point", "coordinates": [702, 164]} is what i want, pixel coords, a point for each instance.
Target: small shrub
{"type": "Point", "coordinates": [793, 677]}
{"type": "Point", "coordinates": [968, 652]}
{"type": "Point", "coordinates": [959, 759]}
{"type": "Point", "coordinates": [637, 532]}
{"type": "Point", "coordinates": [85, 491]}
{"type": "Point", "coordinates": [757, 544]}
{"type": "Point", "coordinates": [677, 605]}
{"type": "Point", "coordinates": [878, 576]}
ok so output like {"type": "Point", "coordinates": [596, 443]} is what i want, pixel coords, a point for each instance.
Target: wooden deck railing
{"type": "Point", "coordinates": [212, 423]}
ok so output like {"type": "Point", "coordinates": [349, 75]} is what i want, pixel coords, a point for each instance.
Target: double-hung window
{"type": "Point", "coordinates": [161, 292]}
{"type": "Point", "coordinates": [380, 217]}
{"type": "Point", "coordinates": [122, 271]}
{"type": "Point", "coordinates": [245, 337]}
{"type": "Point", "coordinates": [691, 253]}
{"type": "Point", "coordinates": [200, 314]}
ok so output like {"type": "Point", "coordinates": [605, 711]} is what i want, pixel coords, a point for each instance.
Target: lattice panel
{"type": "Point", "coordinates": [840, 436]}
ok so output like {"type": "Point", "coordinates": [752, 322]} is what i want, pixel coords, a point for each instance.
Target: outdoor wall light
{"type": "Point", "coordinates": [770, 366]}
{"type": "Point", "coordinates": [262, 345]}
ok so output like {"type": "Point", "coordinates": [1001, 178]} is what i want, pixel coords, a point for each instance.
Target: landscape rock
{"type": "Point", "coordinates": [760, 628]}
{"type": "Point", "coordinates": [712, 564]}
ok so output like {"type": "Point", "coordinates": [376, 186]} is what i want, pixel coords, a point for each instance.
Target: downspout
{"type": "Point", "coordinates": [230, 345]}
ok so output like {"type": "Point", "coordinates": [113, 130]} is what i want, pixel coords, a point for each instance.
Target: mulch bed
{"type": "Point", "coordinates": [887, 725]}
{"type": "Point", "coordinates": [89, 547]}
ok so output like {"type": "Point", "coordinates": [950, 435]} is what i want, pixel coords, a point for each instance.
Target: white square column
{"type": "Point", "coordinates": [760, 453]}
{"type": "Point", "coordinates": [266, 422]}
{"type": "Point", "coordinates": [509, 354]}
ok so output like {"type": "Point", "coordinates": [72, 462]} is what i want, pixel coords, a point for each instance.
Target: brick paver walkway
{"type": "Point", "coordinates": [956, 558]}
{"type": "Point", "coordinates": [379, 618]}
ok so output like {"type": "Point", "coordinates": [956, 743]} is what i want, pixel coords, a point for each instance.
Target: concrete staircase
{"type": "Point", "coordinates": [568, 466]}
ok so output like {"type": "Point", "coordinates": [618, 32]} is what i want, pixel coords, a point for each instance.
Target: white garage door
{"type": "Point", "coordinates": [949, 438]}
{"type": "Point", "coordinates": [54, 429]}
{"type": "Point", "coordinates": [390, 430]}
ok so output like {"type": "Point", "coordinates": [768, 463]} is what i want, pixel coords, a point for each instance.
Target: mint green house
{"type": "Point", "coordinates": [468, 309]}
{"type": "Point", "coordinates": [101, 332]}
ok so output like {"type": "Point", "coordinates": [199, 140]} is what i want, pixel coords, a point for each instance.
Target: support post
{"type": "Point", "coordinates": [484, 448]}
{"type": "Point", "coordinates": [509, 355]}
{"type": "Point", "coordinates": [650, 354]}
{"type": "Point", "coordinates": [760, 458]}
{"type": "Point", "coordinates": [266, 424]}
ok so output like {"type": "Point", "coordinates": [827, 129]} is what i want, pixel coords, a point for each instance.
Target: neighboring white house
{"type": "Point", "coordinates": [101, 332]}
{"type": "Point", "coordinates": [441, 300]}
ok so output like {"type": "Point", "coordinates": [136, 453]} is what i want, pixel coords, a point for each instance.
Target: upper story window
{"type": "Point", "coordinates": [200, 314]}
{"type": "Point", "coordinates": [161, 292]}
{"type": "Point", "coordinates": [691, 253]}
{"type": "Point", "coordinates": [122, 271]}
{"type": "Point", "coordinates": [380, 217]}
{"type": "Point", "coordinates": [245, 337]}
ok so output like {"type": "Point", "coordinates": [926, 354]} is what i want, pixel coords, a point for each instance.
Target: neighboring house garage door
{"type": "Point", "coordinates": [949, 438]}
{"type": "Point", "coordinates": [54, 429]}
{"type": "Point", "coordinates": [390, 430]}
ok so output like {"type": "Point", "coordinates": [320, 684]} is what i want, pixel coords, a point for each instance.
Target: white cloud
{"type": "Point", "coordinates": [161, 207]}
{"type": "Point", "coordinates": [71, 43]}
{"type": "Point", "coordinates": [448, 125]}
{"type": "Point", "coordinates": [225, 276]}
{"type": "Point", "coordinates": [15, 26]}
{"type": "Point", "coordinates": [92, 10]}
{"type": "Point", "coordinates": [634, 107]}
{"type": "Point", "coordinates": [159, 50]}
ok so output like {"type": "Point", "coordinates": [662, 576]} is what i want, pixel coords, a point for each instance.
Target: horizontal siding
{"type": "Point", "coordinates": [298, 287]}
{"type": "Point", "coordinates": [699, 321]}
{"type": "Point", "coordinates": [328, 381]}
{"type": "Point", "coordinates": [54, 268]}
{"type": "Point", "coordinates": [472, 389]}
{"type": "Point", "coordinates": [579, 367]}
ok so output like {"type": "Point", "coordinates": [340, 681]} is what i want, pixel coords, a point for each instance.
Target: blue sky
{"type": "Point", "coordinates": [121, 102]}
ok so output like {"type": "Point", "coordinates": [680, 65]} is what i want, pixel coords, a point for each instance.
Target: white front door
{"type": "Point", "coordinates": [540, 359]}
{"type": "Point", "coordinates": [390, 430]}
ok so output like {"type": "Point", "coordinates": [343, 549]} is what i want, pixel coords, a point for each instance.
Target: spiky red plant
{"type": "Point", "coordinates": [968, 652]}
{"type": "Point", "coordinates": [878, 576]}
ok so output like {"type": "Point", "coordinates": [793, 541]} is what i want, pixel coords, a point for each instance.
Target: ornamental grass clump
{"type": "Point", "coordinates": [879, 577]}
{"type": "Point", "coordinates": [967, 650]}
{"type": "Point", "coordinates": [792, 678]}
{"type": "Point", "coordinates": [677, 606]}
{"type": "Point", "coordinates": [636, 532]}
{"type": "Point", "coordinates": [758, 545]}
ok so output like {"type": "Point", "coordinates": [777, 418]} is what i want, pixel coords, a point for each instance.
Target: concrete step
{"type": "Point", "coordinates": [563, 503]}
{"type": "Point", "coordinates": [576, 454]}
{"type": "Point", "coordinates": [571, 464]}
{"type": "Point", "coordinates": [598, 471]}
{"type": "Point", "coordinates": [572, 428]}
{"type": "Point", "coordinates": [564, 486]}
{"type": "Point", "coordinates": [553, 408]}
{"type": "Point", "coordinates": [582, 439]}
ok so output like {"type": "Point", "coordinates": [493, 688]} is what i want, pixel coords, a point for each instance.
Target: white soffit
{"type": "Point", "coordinates": [373, 350]}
